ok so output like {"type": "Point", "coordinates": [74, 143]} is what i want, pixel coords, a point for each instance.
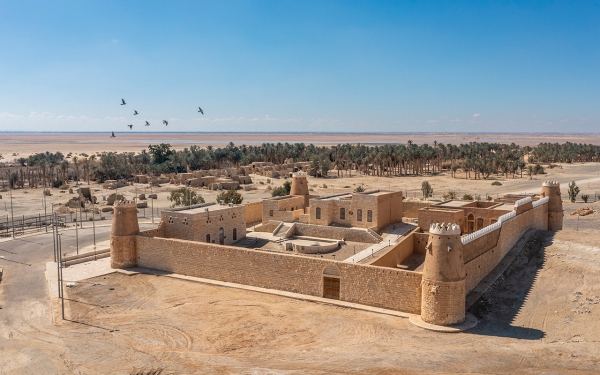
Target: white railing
{"type": "Point", "coordinates": [540, 202]}
{"type": "Point", "coordinates": [507, 216]}
{"type": "Point", "coordinates": [490, 228]}
{"type": "Point", "coordinates": [482, 232]}
{"type": "Point", "coordinates": [521, 202]}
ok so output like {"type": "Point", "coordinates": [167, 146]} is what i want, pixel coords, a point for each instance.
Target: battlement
{"type": "Point", "coordinates": [523, 201]}
{"type": "Point", "coordinates": [551, 183]}
{"type": "Point", "coordinates": [299, 174]}
{"type": "Point", "coordinates": [124, 203]}
{"type": "Point", "coordinates": [443, 229]}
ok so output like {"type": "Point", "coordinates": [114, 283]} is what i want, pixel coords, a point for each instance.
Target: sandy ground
{"type": "Point", "coordinates": [25, 144]}
{"type": "Point", "coordinates": [541, 317]}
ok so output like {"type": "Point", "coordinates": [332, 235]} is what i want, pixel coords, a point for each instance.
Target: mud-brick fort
{"type": "Point", "coordinates": [420, 258]}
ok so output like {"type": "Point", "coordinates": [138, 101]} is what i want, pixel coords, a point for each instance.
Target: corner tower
{"type": "Point", "coordinates": [551, 189]}
{"type": "Point", "coordinates": [300, 186]}
{"type": "Point", "coordinates": [444, 277]}
{"type": "Point", "coordinates": [123, 251]}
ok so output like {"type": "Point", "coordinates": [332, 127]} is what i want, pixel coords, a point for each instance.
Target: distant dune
{"type": "Point", "coordinates": [25, 144]}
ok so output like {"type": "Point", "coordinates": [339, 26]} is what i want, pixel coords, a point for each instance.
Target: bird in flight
{"type": "Point", "coordinates": [200, 110]}
{"type": "Point", "coordinates": [130, 126]}
{"type": "Point", "coordinates": [166, 122]}
{"type": "Point", "coordinates": [147, 123]}
{"type": "Point", "coordinates": [123, 102]}
{"type": "Point", "coordinates": [135, 113]}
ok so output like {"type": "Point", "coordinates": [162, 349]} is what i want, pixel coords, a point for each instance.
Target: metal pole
{"type": "Point", "coordinates": [45, 213]}
{"type": "Point", "coordinates": [62, 293]}
{"type": "Point", "coordinates": [12, 218]}
{"type": "Point", "coordinates": [54, 241]}
{"type": "Point", "coordinates": [94, 223]}
{"type": "Point", "coordinates": [80, 217]}
{"type": "Point", "coordinates": [76, 233]}
{"type": "Point", "coordinates": [152, 204]}
{"type": "Point", "coordinates": [58, 242]}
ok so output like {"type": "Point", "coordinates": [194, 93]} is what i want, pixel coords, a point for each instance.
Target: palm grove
{"type": "Point", "coordinates": [472, 160]}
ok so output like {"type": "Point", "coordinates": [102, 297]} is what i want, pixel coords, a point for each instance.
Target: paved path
{"type": "Point", "coordinates": [388, 241]}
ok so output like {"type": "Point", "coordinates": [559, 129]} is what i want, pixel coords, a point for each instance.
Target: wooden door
{"type": "Point", "coordinates": [331, 287]}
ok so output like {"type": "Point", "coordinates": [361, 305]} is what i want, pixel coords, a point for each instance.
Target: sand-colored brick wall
{"type": "Point", "coordinates": [510, 232]}
{"type": "Point", "coordinates": [280, 208]}
{"type": "Point", "coordinates": [337, 233]}
{"type": "Point", "coordinates": [432, 215]}
{"type": "Point", "coordinates": [396, 254]}
{"type": "Point", "coordinates": [411, 209]}
{"type": "Point", "coordinates": [195, 227]}
{"type": "Point", "coordinates": [444, 302]}
{"type": "Point", "coordinates": [375, 286]}
{"type": "Point", "coordinates": [254, 212]}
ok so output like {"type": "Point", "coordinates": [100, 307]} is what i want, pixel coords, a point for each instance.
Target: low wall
{"type": "Point", "coordinates": [337, 233]}
{"type": "Point", "coordinates": [368, 285]}
{"type": "Point", "coordinates": [159, 231]}
{"type": "Point", "coordinates": [397, 254]}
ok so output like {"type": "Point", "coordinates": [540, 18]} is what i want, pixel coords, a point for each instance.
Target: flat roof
{"type": "Point", "coordinates": [454, 204]}
{"type": "Point", "coordinates": [336, 197]}
{"type": "Point", "coordinates": [505, 207]}
{"type": "Point", "coordinates": [202, 208]}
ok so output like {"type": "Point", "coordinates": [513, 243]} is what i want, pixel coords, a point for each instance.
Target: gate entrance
{"type": "Point", "coordinates": [331, 287]}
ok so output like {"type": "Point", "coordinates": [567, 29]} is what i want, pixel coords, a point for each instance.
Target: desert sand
{"type": "Point", "coordinates": [26, 144]}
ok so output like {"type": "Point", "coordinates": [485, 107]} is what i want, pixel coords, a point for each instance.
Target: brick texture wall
{"type": "Point", "coordinates": [254, 211]}
{"type": "Point", "coordinates": [375, 286]}
{"type": "Point", "coordinates": [510, 232]}
{"type": "Point", "coordinates": [336, 233]}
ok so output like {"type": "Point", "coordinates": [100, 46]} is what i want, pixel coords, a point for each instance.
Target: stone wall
{"type": "Point", "coordinates": [337, 233]}
{"type": "Point", "coordinates": [253, 212]}
{"type": "Point", "coordinates": [280, 208]}
{"type": "Point", "coordinates": [374, 286]}
{"type": "Point", "coordinates": [397, 254]}
{"type": "Point", "coordinates": [197, 226]}
{"type": "Point", "coordinates": [510, 232]}
{"type": "Point", "coordinates": [433, 215]}
{"type": "Point", "coordinates": [411, 209]}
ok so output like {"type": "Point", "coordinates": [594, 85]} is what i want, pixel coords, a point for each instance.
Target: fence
{"type": "Point", "coordinates": [21, 225]}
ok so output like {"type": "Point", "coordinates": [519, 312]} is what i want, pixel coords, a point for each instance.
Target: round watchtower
{"type": "Point", "coordinates": [551, 189]}
{"type": "Point", "coordinates": [123, 251]}
{"type": "Point", "coordinates": [300, 186]}
{"type": "Point", "coordinates": [444, 277]}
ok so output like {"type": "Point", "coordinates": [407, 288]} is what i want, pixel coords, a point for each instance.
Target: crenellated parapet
{"type": "Point", "coordinates": [443, 291]}
{"type": "Point", "coordinates": [551, 190]}
{"type": "Point", "coordinates": [125, 227]}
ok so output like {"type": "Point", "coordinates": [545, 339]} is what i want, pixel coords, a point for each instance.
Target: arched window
{"type": "Point", "coordinates": [470, 223]}
{"type": "Point", "coordinates": [359, 215]}
{"type": "Point", "coordinates": [369, 216]}
{"type": "Point", "coordinates": [342, 214]}
{"type": "Point", "coordinates": [318, 213]}
{"type": "Point", "coordinates": [493, 221]}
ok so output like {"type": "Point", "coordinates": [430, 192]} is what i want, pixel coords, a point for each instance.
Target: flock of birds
{"type": "Point", "coordinates": [135, 113]}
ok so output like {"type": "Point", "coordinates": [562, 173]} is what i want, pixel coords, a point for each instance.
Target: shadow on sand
{"type": "Point", "coordinates": [499, 306]}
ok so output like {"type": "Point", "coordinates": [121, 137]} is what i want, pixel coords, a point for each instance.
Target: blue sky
{"type": "Point", "coordinates": [357, 66]}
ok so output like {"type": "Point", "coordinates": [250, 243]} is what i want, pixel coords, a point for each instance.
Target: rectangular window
{"type": "Point", "coordinates": [369, 216]}
{"type": "Point", "coordinates": [318, 212]}
{"type": "Point", "coordinates": [342, 214]}
{"type": "Point", "coordinates": [270, 212]}
{"type": "Point", "coordinates": [234, 234]}
{"type": "Point", "coordinates": [359, 215]}
{"type": "Point", "coordinates": [208, 238]}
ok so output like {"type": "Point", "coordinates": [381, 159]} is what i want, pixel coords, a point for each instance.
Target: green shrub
{"type": "Point", "coordinates": [585, 197]}
{"type": "Point", "coordinates": [359, 189]}
{"type": "Point", "coordinates": [467, 197]}
{"type": "Point", "coordinates": [496, 183]}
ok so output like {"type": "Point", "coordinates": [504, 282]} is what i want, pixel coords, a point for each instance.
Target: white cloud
{"type": "Point", "coordinates": [432, 121]}
{"type": "Point", "coordinates": [476, 115]}
{"type": "Point", "coordinates": [456, 120]}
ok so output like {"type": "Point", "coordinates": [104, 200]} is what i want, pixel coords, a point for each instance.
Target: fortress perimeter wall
{"type": "Point", "coordinates": [368, 285]}
{"type": "Point", "coordinates": [482, 254]}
